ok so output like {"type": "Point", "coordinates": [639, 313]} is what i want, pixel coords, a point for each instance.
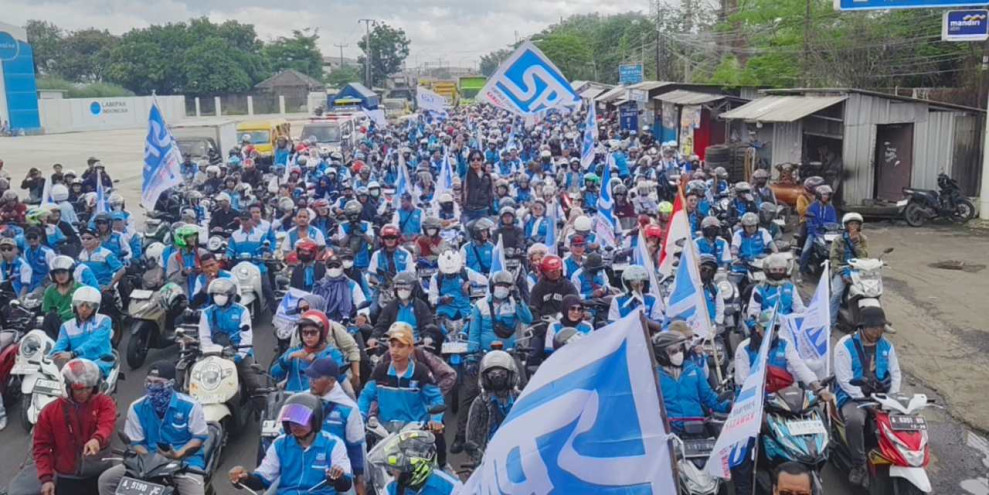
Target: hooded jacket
{"type": "Point", "coordinates": [57, 447]}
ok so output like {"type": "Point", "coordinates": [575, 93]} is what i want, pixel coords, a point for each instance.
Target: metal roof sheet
{"type": "Point", "coordinates": [684, 97]}
{"type": "Point", "coordinates": [611, 94]}
{"type": "Point", "coordinates": [591, 92]}
{"type": "Point", "coordinates": [782, 108]}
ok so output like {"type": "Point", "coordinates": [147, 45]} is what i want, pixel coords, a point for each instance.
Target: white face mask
{"type": "Point", "coordinates": [221, 299]}
{"type": "Point", "coordinates": [677, 359]}
{"type": "Point", "coordinates": [404, 294]}
{"type": "Point", "coordinates": [348, 264]}
{"type": "Point", "coordinates": [334, 272]}
{"type": "Point", "coordinates": [501, 292]}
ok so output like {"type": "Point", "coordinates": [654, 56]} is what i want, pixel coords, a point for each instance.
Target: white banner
{"type": "Point", "coordinates": [426, 99]}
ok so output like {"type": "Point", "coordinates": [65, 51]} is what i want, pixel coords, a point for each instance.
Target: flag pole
{"type": "Point", "coordinates": [659, 393]}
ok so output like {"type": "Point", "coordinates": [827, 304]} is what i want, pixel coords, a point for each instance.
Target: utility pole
{"type": "Point", "coordinates": [807, 65]}
{"type": "Point", "coordinates": [341, 46]}
{"type": "Point", "coordinates": [660, 42]}
{"type": "Point", "coordinates": [367, 50]}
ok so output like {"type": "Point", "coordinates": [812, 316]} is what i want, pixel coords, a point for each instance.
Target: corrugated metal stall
{"type": "Point", "coordinates": [858, 150]}
{"type": "Point", "coordinates": [933, 149]}
{"type": "Point", "coordinates": [966, 167]}
{"type": "Point", "coordinates": [787, 142]}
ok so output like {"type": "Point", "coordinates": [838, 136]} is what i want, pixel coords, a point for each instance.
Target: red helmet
{"type": "Point", "coordinates": [317, 319]}
{"type": "Point", "coordinates": [307, 246]}
{"type": "Point", "coordinates": [551, 262]}
{"type": "Point", "coordinates": [654, 232]}
{"type": "Point", "coordinates": [644, 220]}
{"type": "Point", "coordinates": [390, 231]}
{"type": "Point", "coordinates": [321, 203]}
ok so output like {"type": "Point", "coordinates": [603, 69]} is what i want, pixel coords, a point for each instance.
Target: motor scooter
{"type": "Point", "coordinates": [152, 315]}
{"type": "Point", "coordinates": [379, 437]}
{"type": "Point", "coordinates": [210, 377]}
{"type": "Point", "coordinates": [795, 432]}
{"type": "Point", "coordinates": [154, 474]}
{"type": "Point", "coordinates": [865, 289]}
{"type": "Point", "coordinates": [692, 447]}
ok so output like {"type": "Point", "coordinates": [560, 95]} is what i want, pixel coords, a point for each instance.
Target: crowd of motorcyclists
{"type": "Point", "coordinates": [398, 298]}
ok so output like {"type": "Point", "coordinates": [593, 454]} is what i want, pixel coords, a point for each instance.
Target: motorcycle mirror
{"type": "Point", "coordinates": [14, 303]}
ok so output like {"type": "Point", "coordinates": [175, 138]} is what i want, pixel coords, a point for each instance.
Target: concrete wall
{"type": "Point", "coordinates": [90, 114]}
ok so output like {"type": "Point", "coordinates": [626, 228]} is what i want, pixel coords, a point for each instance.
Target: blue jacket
{"type": "Point", "coordinates": [294, 370]}
{"type": "Point", "coordinates": [38, 258]}
{"type": "Point", "coordinates": [103, 263]}
{"type": "Point", "coordinates": [536, 233]}
{"type": "Point", "coordinates": [767, 296]}
{"type": "Point", "coordinates": [251, 244]}
{"type": "Point", "coordinates": [585, 283]}
{"type": "Point", "coordinates": [409, 222]}
{"type": "Point", "coordinates": [117, 245]}
{"type": "Point", "coordinates": [509, 315]}
{"type": "Point", "coordinates": [362, 257]}
{"type": "Point", "coordinates": [228, 320]}
{"type": "Point", "coordinates": [182, 422]}
{"type": "Point", "coordinates": [690, 396]}
{"type": "Point", "coordinates": [299, 470]}
{"type": "Point", "coordinates": [554, 327]}
{"type": "Point", "coordinates": [342, 419]}
{"type": "Point", "coordinates": [18, 272]}
{"type": "Point", "coordinates": [478, 257]}
{"type": "Point", "coordinates": [442, 285]}
{"type": "Point", "coordinates": [405, 398]}
{"type": "Point", "coordinates": [439, 483]}
{"type": "Point", "coordinates": [883, 348]}
{"type": "Point", "coordinates": [89, 340]}
{"type": "Point", "coordinates": [399, 261]}
{"type": "Point", "coordinates": [719, 249]}
{"type": "Point", "coordinates": [818, 215]}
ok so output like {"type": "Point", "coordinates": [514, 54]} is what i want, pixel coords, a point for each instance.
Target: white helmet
{"type": "Point", "coordinates": [154, 252]}
{"type": "Point", "coordinates": [60, 192]}
{"type": "Point", "coordinates": [245, 137]}
{"type": "Point", "coordinates": [213, 170]}
{"type": "Point", "coordinates": [851, 217]}
{"type": "Point", "coordinates": [776, 261]}
{"type": "Point", "coordinates": [223, 197]}
{"type": "Point", "coordinates": [450, 262]}
{"type": "Point", "coordinates": [446, 198]}
{"type": "Point", "coordinates": [116, 199]}
{"type": "Point", "coordinates": [583, 223]}
{"type": "Point", "coordinates": [87, 295]}
{"type": "Point", "coordinates": [61, 263]}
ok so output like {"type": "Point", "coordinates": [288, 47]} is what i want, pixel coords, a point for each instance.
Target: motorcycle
{"type": "Point", "coordinates": [210, 377]}
{"type": "Point", "coordinates": [152, 315]}
{"type": "Point", "coordinates": [379, 437]}
{"type": "Point", "coordinates": [865, 289]}
{"type": "Point", "coordinates": [821, 250]}
{"type": "Point", "coordinates": [41, 380]}
{"type": "Point", "coordinates": [948, 202]}
{"type": "Point", "coordinates": [249, 282]}
{"type": "Point", "coordinates": [795, 432]}
{"type": "Point", "coordinates": [154, 474]}
{"type": "Point", "coordinates": [692, 447]}
{"type": "Point", "coordinates": [897, 449]}
{"type": "Point", "coordinates": [18, 319]}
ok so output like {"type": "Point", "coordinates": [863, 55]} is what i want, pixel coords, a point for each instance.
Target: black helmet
{"type": "Point", "coordinates": [479, 226]}
{"type": "Point", "coordinates": [101, 218]}
{"type": "Point", "coordinates": [405, 279]}
{"type": "Point", "coordinates": [593, 262]}
{"type": "Point", "coordinates": [663, 340]}
{"type": "Point", "coordinates": [302, 407]}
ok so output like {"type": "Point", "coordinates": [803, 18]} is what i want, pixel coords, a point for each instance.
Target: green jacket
{"type": "Point", "coordinates": [55, 301]}
{"type": "Point", "coordinates": [839, 257]}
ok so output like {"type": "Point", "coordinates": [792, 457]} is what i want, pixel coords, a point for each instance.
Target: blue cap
{"type": "Point", "coordinates": [323, 367]}
{"type": "Point", "coordinates": [118, 215]}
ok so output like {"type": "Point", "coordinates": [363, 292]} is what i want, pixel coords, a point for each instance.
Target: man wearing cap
{"type": "Point", "coordinates": [13, 268]}
{"type": "Point", "coordinates": [868, 356]}
{"type": "Point", "coordinates": [223, 216]}
{"type": "Point", "coordinates": [38, 256]}
{"type": "Point", "coordinates": [341, 417]}
{"type": "Point", "coordinates": [164, 417]}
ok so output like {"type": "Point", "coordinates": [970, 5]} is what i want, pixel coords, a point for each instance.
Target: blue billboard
{"type": "Point", "coordinates": [903, 4]}
{"type": "Point", "coordinates": [19, 98]}
{"type": "Point", "coordinates": [629, 74]}
{"type": "Point", "coordinates": [965, 25]}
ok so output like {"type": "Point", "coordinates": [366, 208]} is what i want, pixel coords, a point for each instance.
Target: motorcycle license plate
{"type": "Point", "coordinates": [47, 387]}
{"type": "Point", "coordinates": [907, 423]}
{"type": "Point", "coordinates": [131, 486]}
{"type": "Point", "coordinates": [698, 447]}
{"type": "Point", "coordinates": [271, 428]}
{"type": "Point", "coordinates": [427, 272]}
{"type": "Point", "coordinates": [830, 237]}
{"type": "Point", "coordinates": [24, 369]}
{"type": "Point", "coordinates": [454, 348]}
{"type": "Point", "coordinates": [806, 427]}
{"type": "Point", "coordinates": [140, 294]}
{"type": "Point", "coordinates": [901, 203]}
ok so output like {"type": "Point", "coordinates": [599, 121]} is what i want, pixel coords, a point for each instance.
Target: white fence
{"type": "Point", "coordinates": [92, 114]}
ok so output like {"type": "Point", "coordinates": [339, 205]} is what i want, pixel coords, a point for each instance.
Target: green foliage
{"type": "Point", "coordinates": [389, 47]}
{"type": "Point", "coordinates": [298, 52]}
{"type": "Point", "coordinates": [84, 54]}
{"type": "Point", "coordinates": [491, 61]}
{"type": "Point", "coordinates": [79, 90]}
{"type": "Point", "coordinates": [568, 51]}
{"type": "Point", "coordinates": [45, 39]}
{"type": "Point", "coordinates": [341, 76]}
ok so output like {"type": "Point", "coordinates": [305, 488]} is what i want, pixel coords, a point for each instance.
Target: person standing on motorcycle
{"type": "Point", "coordinates": [13, 268]}
{"type": "Point", "coordinates": [686, 392]}
{"type": "Point", "coordinates": [777, 291]}
{"type": "Point", "coordinates": [313, 328]}
{"type": "Point", "coordinates": [477, 253]}
{"type": "Point", "coordinates": [411, 464]}
{"type": "Point", "coordinates": [751, 242]}
{"type": "Point", "coordinates": [77, 426]}
{"type": "Point", "coordinates": [391, 259]}
{"type": "Point", "coordinates": [820, 213]}
{"type": "Point", "coordinates": [710, 242]}
{"type": "Point", "coordinates": [636, 281]}
{"type": "Point", "coordinates": [57, 301]}
{"type": "Point", "coordinates": [590, 279]}
{"type": "Point", "coordinates": [226, 318]}
{"type": "Point", "coordinates": [760, 185]}
{"type": "Point", "coordinates": [304, 459]}
{"type": "Point", "coordinates": [852, 244]}
{"type": "Point", "coordinates": [408, 218]}
{"type": "Point", "coordinates": [303, 231]}
{"type": "Point", "coordinates": [308, 271]}
{"type": "Point", "coordinates": [88, 334]}
{"type": "Point", "coordinates": [356, 235]}
{"type": "Point", "coordinates": [499, 381]}
{"type": "Point", "coordinates": [571, 316]}
{"type": "Point", "coordinates": [869, 357]}
{"type": "Point", "coordinates": [164, 417]}
{"type": "Point", "coordinates": [341, 416]}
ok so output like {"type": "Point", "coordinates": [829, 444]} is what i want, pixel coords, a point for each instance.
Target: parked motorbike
{"type": "Point", "coordinates": [896, 443]}
{"type": "Point", "coordinates": [865, 290]}
{"type": "Point", "coordinates": [795, 432]}
{"type": "Point", "coordinates": [152, 315]}
{"type": "Point", "coordinates": [921, 205]}
{"type": "Point", "coordinates": [821, 250]}
{"type": "Point", "coordinates": [41, 380]}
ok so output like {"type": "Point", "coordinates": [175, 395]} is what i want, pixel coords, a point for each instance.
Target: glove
{"type": "Point", "coordinates": [868, 388]}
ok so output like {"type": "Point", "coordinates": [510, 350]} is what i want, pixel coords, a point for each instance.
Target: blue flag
{"type": "Point", "coordinates": [550, 218]}
{"type": "Point", "coordinates": [590, 138]}
{"type": "Point", "coordinates": [589, 421]}
{"type": "Point", "coordinates": [497, 258]}
{"type": "Point", "coordinates": [687, 300]}
{"type": "Point", "coordinates": [102, 205]}
{"type": "Point", "coordinates": [162, 160]}
{"type": "Point", "coordinates": [607, 226]}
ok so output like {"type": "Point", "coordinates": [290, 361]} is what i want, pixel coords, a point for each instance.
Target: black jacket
{"type": "Point", "coordinates": [424, 320]}
{"type": "Point", "coordinates": [546, 298]}
{"type": "Point", "coordinates": [478, 191]}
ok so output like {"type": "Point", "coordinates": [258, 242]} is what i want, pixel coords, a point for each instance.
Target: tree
{"type": "Point", "coordinates": [298, 52]}
{"type": "Point", "coordinates": [344, 75]}
{"type": "Point", "coordinates": [45, 39]}
{"type": "Point", "coordinates": [84, 55]}
{"type": "Point", "coordinates": [491, 61]}
{"type": "Point", "coordinates": [569, 52]}
{"type": "Point", "coordinates": [389, 47]}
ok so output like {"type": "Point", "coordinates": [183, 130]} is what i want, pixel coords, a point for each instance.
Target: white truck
{"type": "Point", "coordinates": [209, 142]}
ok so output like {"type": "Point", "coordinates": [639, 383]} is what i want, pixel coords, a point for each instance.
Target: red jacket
{"type": "Point", "coordinates": [58, 446]}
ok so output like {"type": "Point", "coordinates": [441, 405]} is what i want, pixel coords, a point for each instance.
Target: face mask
{"type": "Point", "coordinates": [221, 299]}
{"type": "Point", "coordinates": [501, 292]}
{"type": "Point", "coordinates": [348, 264]}
{"type": "Point", "coordinates": [404, 294]}
{"type": "Point", "coordinates": [497, 379]}
{"type": "Point", "coordinates": [334, 272]}
{"type": "Point", "coordinates": [775, 275]}
{"type": "Point", "coordinates": [160, 396]}
{"type": "Point", "coordinates": [710, 231]}
{"type": "Point", "coordinates": [677, 359]}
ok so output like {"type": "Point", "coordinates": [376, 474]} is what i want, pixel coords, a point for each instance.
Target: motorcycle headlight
{"type": "Point", "coordinates": [727, 290]}
{"type": "Point", "coordinates": [243, 273]}
{"type": "Point", "coordinates": [30, 346]}
{"type": "Point", "coordinates": [210, 375]}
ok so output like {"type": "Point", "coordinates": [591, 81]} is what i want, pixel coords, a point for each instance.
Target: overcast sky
{"type": "Point", "coordinates": [459, 32]}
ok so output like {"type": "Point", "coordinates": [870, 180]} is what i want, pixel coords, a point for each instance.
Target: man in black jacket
{"type": "Point", "coordinates": [407, 305]}
{"type": "Point", "coordinates": [546, 299]}
{"type": "Point", "coordinates": [478, 189]}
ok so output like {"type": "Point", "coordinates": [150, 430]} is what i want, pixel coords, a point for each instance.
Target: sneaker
{"type": "Point", "coordinates": [858, 476]}
{"type": "Point", "coordinates": [3, 422]}
{"type": "Point", "coordinates": [457, 446]}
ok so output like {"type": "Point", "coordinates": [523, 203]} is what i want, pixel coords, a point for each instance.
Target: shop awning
{"type": "Point", "coordinates": [591, 92]}
{"type": "Point", "coordinates": [611, 94]}
{"type": "Point", "coordinates": [781, 108]}
{"type": "Point", "coordinates": [684, 97]}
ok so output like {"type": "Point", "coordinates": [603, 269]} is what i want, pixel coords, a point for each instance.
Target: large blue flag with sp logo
{"type": "Point", "coordinates": [161, 160]}
{"type": "Point", "coordinates": [589, 421]}
{"type": "Point", "coordinates": [527, 83]}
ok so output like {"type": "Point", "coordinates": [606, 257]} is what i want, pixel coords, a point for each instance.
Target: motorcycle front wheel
{"type": "Point", "coordinates": [964, 211]}
{"type": "Point", "coordinates": [914, 215]}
